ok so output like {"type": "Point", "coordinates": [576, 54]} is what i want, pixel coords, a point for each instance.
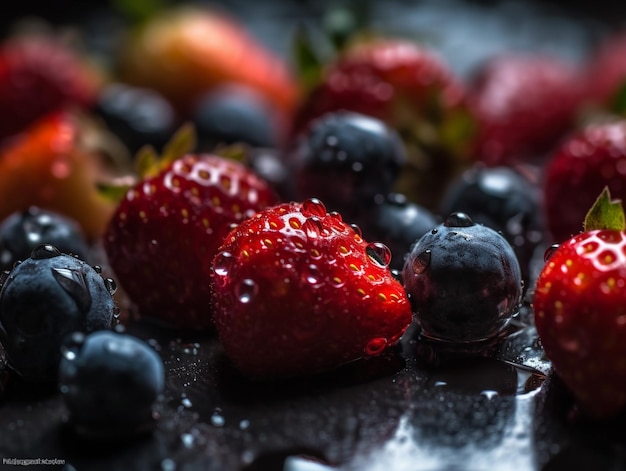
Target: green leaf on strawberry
{"type": "Point", "coordinates": [605, 214]}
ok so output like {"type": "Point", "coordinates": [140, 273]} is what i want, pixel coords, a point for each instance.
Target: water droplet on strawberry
{"type": "Point", "coordinates": [379, 253]}
{"type": "Point", "coordinates": [223, 264]}
{"type": "Point", "coordinates": [246, 291]}
{"type": "Point", "coordinates": [549, 252]}
{"type": "Point", "coordinates": [312, 275]}
{"type": "Point", "coordinates": [313, 207]}
{"type": "Point", "coordinates": [357, 230]}
{"type": "Point", "coordinates": [375, 346]}
{"type": "Point", "coordinates": [312, 227]}
{"type": "Point", "coordinates": [422, 262]}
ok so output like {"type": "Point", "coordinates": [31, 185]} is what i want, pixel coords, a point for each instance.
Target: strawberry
{"type": "Point", "coordinates": [584, 163]}
{"type": "Point", "coordinates": [409, 87]}
{"type": "Point", "coordinates": [39, 75]}
{"type": "Point", "coordinates": [50, 166]}
{"type": "Point", "coordinates": [523, 104]}
{"type": "Point", "coordinates": [298, 291]}
{"type": "Point", "coordinates": [580, 314]}
{"type": "Point", "coordinates": [170, 225]}
{"type": "Point", "coordinates": [185, 52]}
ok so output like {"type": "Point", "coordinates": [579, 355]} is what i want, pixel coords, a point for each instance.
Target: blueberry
{"type": "Point", "coordinates": [234, 114]}
{"type": "Point", "coordinates": [346, 159]}
{"type": "Point", "coordinates": [22, 231]}
{"type": "Point", "coordinates": [110, 382]}
{"type": "Point", "coordinates": [137, 116]}
{"type": "Point", "coordinates": [397, 223]}
{"type": "Point", "coordinates": [463, 280]}
{"type": "Point", "coordinates": [505, 200]}
{"type": "Point", "coordinates": [45, 298]}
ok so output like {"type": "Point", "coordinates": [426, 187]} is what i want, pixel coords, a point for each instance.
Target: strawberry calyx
{"type": "Point", "coordinates": [605, 214]}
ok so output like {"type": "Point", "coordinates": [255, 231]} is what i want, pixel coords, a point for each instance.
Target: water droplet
{"type": "Point", "coordinates": [312, 275]}
{"type": "Point", "coordinates": [458, 220]}
{"type": "Point", "coordinates": [223, 264]}
{"type": "Point", "coordinates": [376, 346]}
{"type": "Point", "coordinates": [313, 207]}
{"type": "Point", "coordinates": [357, 230]}
{"type": "Point", "coordinates": [44, 251]}
{"type": "Point", "coordinates": [97, 269]}
{"type": "Point", "coordinates": [111, 285]}
{"type": "Point", "coordinates": [312, 227]}
{"type": "Point", "coordinates": [549, 252]}
{"type": "Point", "coordinates": [75, 284]}
{"type": "Point", "coordinates": [421, 262]}
{"type": "Point", "coordinates": [379, 253]}
{"type": "Point", "coordinates": [434, 231]}
{"type": "Point", "coordinates": [489, 393]}
{"type": "Point", "coordinates": [246, 290]}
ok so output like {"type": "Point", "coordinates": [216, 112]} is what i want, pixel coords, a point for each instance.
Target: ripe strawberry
{"type": "Point", "coordinates": [39, 75]}
{"type": "Point", "coordinates": [524, 104]}
{"type": "Point", "coordinates": [170, 225]}
{"type": "Point", "coordinates": [410, 88]}
{"type": "Point", "coordinates": [297, 291]}
{"type": "Point", "coordinates": [48, 166]}
{"type": "Point", "coordinates": [580, 314]}
{"type": "Point", "coordinates": [583, 164]}
{"type": "Point", "coordinates": [185, 52]}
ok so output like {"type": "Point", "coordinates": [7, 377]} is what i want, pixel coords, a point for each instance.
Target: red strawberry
{"type": "Point", "coordinates": [409, 87]}
{"type": "Point", "coordinates": [580, 314]}
{"type": "Point", "coordinates": [169, 226]}
{"type": "Point", "coordinates": [583, 164]}
{"type": "Point", "coordinates": [524, 104]}
{"type": "Point", "coordinates": [50, 166]}
{"type": "Point", "coordinates": [298, 291]}
{"type": "Point", "coordinates": [39, 75]}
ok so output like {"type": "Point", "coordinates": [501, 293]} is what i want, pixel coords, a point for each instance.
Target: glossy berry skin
{"type": "Point", "coordinates": [345, 159]}
{"type": "Point", "coordinates": [396, 222]}
{"type": "Point", "coordinates": [40, 75]}
{"type": "Point", "coordinates": [463, 280]}
{"type": "Point", "coordinates": [137, 116]}
{"type": "Point", "coordinates": [507, 201]}
{"type": "Point", "coordinates": [524, 104]}
{"type": "Point", "coordinates": [110, 382]}
{"type": "Point", "coordinates": [410, 88]}
{"type": "Point", "coordinates": [234, 114]}
{"type": "Point", "coordinates": [579, 313]}
{"type": "Point", "coordinates": [48, 166]}
{"type": "Point", "coordinates": [578, 170]}
{"type": "Point", "coordinates": [43, 300]}
{"type": "Point", "coordinates": [298, 291]}
{"type": "Point", "coordinates": [21, 232]}
{"type": "Point", "coordinates": [168, 228]}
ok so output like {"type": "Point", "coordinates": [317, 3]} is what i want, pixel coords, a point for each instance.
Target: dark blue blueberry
{"type": "Point", "coordinates": [44, 299]}
{"type": "Point", "coordinates": [397, 223]}
{"type": "Point", "coordinates": [463, 281]}
{"type": "Point", "coordinates": [137, 116]}
{"type": "Point", "coordinates": [22, 231]}
{"type": "Point", "coordinates": [110, 382]}
{"type": "Point", "coordinates": [346, 159]}
{"type": "Point", "coordinates": [234, 114]}
{"type": "Point", "coordinates": [505, 200]}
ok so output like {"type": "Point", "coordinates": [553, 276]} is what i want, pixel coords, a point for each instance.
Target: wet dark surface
{"type": "Point", "coordinates": [395, 412]}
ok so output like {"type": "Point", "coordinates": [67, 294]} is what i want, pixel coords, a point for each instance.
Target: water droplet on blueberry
{"type": "Point", "coordinates": [75, 284]}
{"type": "Point", "coordinates": [458, 220]}
{"type": "Point", "coordinates": [45, 251]}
